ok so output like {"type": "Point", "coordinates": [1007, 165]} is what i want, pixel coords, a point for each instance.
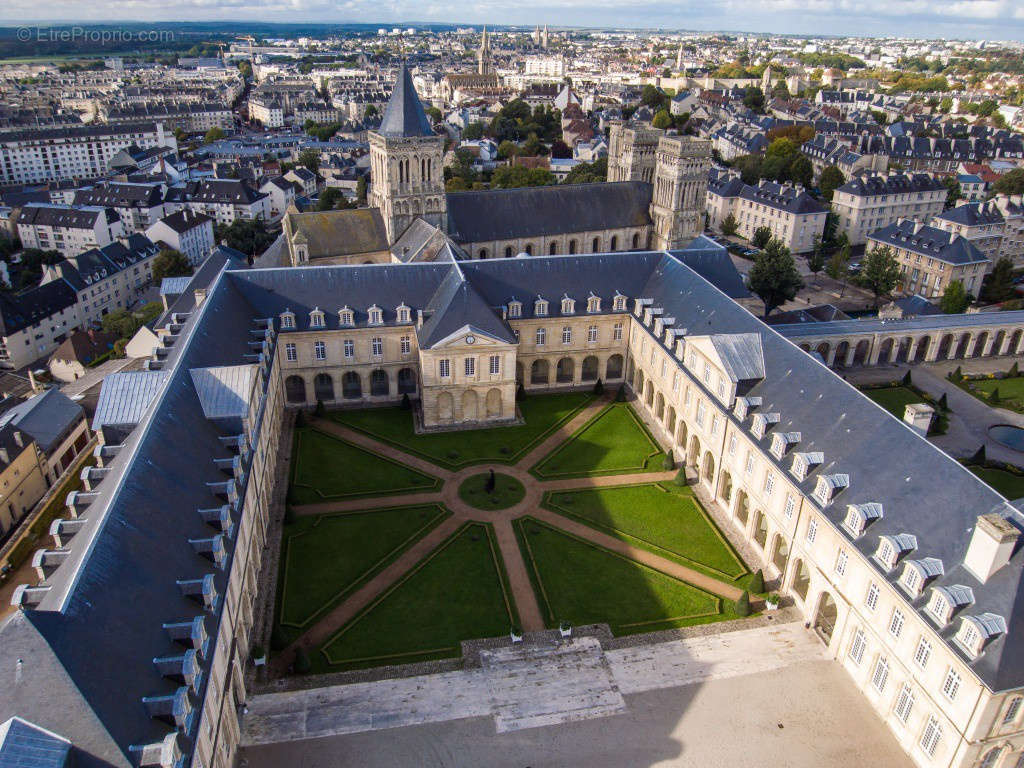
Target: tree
{"type": "Point", "coordinates": [880, 272]}
{"type": "Point", "coordinates": [361, 190]}
{"type": "Point", "coordinates": [1010, 183]}
{"type": "Point", "coordinates": [588, 173]}
{"type": "Point", "coordinates": [662, 119]}
{"type": "Point", "coordinates": [743, 604]}
{"type": "Point", "coordinates": [816, 261]}
{"type": "Point", "coordinates": [507, 149]}
{"type": "Point", "coordinates": [749, 167]}
{"type": "Point", "coordinates": [652, 97]}
{"type": "Point", "coordinates": [212, 135]}
{"type": "Point", "coordinates": [774, 276]}
{"type": "Point", "coordinates": [761, 236]}
{"type": "Point", "coordinates": [753, 99]}
{"type": "Point", "coordinates": [250, 236]}
{"type": "Point", "coordinates": [756, 584]}
{"type": "Point", "coordinates": [310, 158]}
{"type": "Point", "coordinates": [729, 225]}
{"type": "Point", "coordinates": [680, 478]}
{"type": "Point", "coordinates": [831, 179]}
{"type": "Point", "coordinates": [170, 263]}
{"type": "Point", "coordinates": [473, 131]}
{"type": "Point", "coordinates": [801, 171]}
{"type": "Point", "coordinates": [953, 187]}
{"type": "Point", "coordinates": [508, 176]}
{"type": "Point", "coordinates": [561, 150]}
{"type": "Point", "coordinates": [434, 114]}
{"type": "Point", "coordinates": [838, 266]}
{"type": "Point", "coordinates": [955, 299]}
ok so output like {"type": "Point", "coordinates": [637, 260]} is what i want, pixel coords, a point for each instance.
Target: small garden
{"type": "Point", "coordinates": [1006, 478]}
{"type": "Point", "coordinates": [490, 491]}
{"type": "Point", "coordinates": [897, 395]}
{"type": "Point", "coordinates": [1000, 390]}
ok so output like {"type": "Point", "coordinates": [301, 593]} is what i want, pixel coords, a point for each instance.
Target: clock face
{"type": "Point", "coordinates": [470, 339]}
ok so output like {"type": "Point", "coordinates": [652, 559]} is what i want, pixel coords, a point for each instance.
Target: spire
{"type": "Point", "coordinates": [404, 115]}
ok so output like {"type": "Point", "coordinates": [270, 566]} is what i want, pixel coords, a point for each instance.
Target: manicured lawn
{"type": "Point", "coordinates": [895, 399]}
{"type": "Point", "coordinates": [542, 414]}
{"type": "Point", "coordinates": [325, 557]}
{"type": "Point", "coordinates": [1007, 483]}
{"type": "Point", "coordinates": [665, 520]}
{"type": "Point", "coordinates": [458, 593]}
{"type": "Point", "coordinates": [324, 468]}
{"type": "Point", "coordinates": [507, 491]}
{"type": "Point", "coordinates": [1011, 391]}
{"type": "Point", "coordinates": [612, 442]}
{"type": "Point", "coordinates": [581, 583]}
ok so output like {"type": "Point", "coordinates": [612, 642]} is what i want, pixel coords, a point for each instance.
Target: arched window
{"type": "Point", "coordinates": [553, 249]}
{"type": "Point", "coordinates": [572, 246]}
{"type": "Point", "coordinates": [529, 249]}
{"type": "Point", "coordinates": [636, 240]}
{"type": "Point", "coordinates": [596, 245]}
{"type": "Point", "coordinates": [615, 243]}
{"type": "Point", "coordinates": [483, 253]}
{"type": "Point", "coordinates": [508, 252]}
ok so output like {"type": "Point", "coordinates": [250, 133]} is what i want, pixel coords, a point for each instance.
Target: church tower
{"type": "Point", "coordinates": [406, 164]}
{"type": "Point", "coordinates": [483, 56]}
{"type": "Point", "coordinates": [679, 199]}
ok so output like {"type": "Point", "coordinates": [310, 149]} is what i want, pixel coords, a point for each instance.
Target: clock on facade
{"type": "Point", "coordinates": [470, 339]}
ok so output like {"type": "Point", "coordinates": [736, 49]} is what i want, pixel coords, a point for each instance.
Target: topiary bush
{"type": "Point", "coordinates": [681, 477]}
{"type": "Point", "coordinates": [1013, 370]}
{"type": "Point", "coordinates": [956, 375]}
{"type": "Point", "coordinates": [303, 665]}
{"type": "Point", "coordinates": [757, 581]}
{"type": "Point", "coordinates": [620, 396]}
{"type": "Point", "coordinates": [743, 604]}
{"type": "Point", "coordinates": [994, 397]}
{"type": "Point", "coordinates": [300, 419]}
{"type": "Point", "coordinates": [406, 402]}
{"type": "Point", "coordinates": [320, 410]}
{"type": "Point", "coordinates": [520, 392]}
{"type": "Point", "coordinates": [669, 463]}
{"type": "Point", "coordinates": [979, 456]}
{"type": "Point", "coordinates": [598, 388]}
{"type": "Point", "coordinates": [943, 403]}
{"type": "Point", "coordinates": [278, 642]}
{"type": "Point", "coordinates": [906, 378]}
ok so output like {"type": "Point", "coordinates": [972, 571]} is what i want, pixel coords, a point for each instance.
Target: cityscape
{"type": "Point", "coordinates": [380, 387]}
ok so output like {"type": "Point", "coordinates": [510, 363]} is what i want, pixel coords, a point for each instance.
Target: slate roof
{"type": "Point", "coordinates": [938, 323]}
{"type": "Point", "coordinates": [404, 115]}
{"type": "Point", "coordinates": [46, 418]}
{"type": "Point", "coordinates": [65, 217]}
{"type": "Point", "coordinates": [869, 186]}
{"type": "Point", "coordinates": [507, 214]}
{"type": "Point", "coordinates": [973, 214]}
{"type": "Point", "coordinates": [184, 220]}
{"type": "Point", "coordinates": [24, 745]}
{"type": "Point", "coordinates": [330, 234]}
{"type": "Point", "coordinates": [741, 355]}
{"type": "Point", "coordinates": [96, 264]}
{"type": "Point", "coordinates": [125, 396]}
{"type": "Point", "coordinates": [929, 241]}
{"type": "Point", "coordinates": [19, 311]}
{"type": "Point", "coordinates": [712, 262]}
{"type": "Point", "coordinates": [457, 304]}
{"type": "Point", "coordinates": [121, 195]}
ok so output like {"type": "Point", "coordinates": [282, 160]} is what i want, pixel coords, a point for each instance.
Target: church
{"type": "Point", "coordinates": [412, 218]}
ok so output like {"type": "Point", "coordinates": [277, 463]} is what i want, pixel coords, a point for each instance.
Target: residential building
{"type": "Point", "coordinates": [22, 476]}
{"type": "Point", "coordinates": [186, 231]}
{"type": "Point", "coordinates": [281, 193]}
{"type": "Point", "coordinates": [56, 424]}
{"type": "Point", "coordinates": [931, 258]}
{"type": "Point", "coordinates": [866, 203]}
{"type": "Point", "coordinates": [78, 352]}
{"type": "Point", "coordinates": [223, 200]}
{"type": "Point", "coordinates": [137, 204]}
{"type": "Point", "coordinates": [70, 230]}
{"type": "Point", "coordinates": [981, 223]}
{"type": "Point", "coordinates": [34, 322]}
{"type": "Point", "coordinates": [1012, 208]}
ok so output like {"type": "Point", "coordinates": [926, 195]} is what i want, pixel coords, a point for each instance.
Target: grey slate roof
{"type": "Point", "coordinates": [712, 262]}
{"type": "Point", "coordinates": [34, 305]}
{"type": "Point", "coordinates": [929, 241]}
{"type": "Point", "coordinates": [457, 304]}
{"type": "Point", "coordinates": [741, 355]}
{"type": "Point", "coordinates": [404, 115]}
{"type": "Point", "coordinates": [125, 397]}
{"type": "Point", "coordinates": [973, 214]}
{"type": "Point", "coordinates": [47, 417]}
{"type": "Point", "coordinates": [939, 323]}
{"type": "Point", "coordinates": [507, 214]}
{"type": "Point", "coordinates": [25, 745]}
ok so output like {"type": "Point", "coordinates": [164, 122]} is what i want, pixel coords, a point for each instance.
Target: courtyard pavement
{"type": "Point", "coordinates": [530, 615]}
{"type": "Point", "coordinates": [753, 697]}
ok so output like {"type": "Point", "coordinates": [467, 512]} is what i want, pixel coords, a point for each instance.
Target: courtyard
{"type": "Point", "coordinates": [399, 546]}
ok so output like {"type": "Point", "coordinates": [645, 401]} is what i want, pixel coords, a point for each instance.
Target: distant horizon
{"type": "Point", "coordinates": [1002, 22]}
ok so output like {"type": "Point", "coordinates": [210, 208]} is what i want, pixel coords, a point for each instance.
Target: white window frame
{"type": "Point", "coordinates": [922, 653]}
{"type": "Point", "coordinates": [896, 622]}
{"type": "Point", "coordinates": [931, 735]}
{"type": "Point", "coordinates": [566, 334]}
{"type": "Point", "coordinates": [540, 337]}
{"type": "Point", "coordinates": [904, 703]}
{"type": "Point", "coordinates": [405, 345]}
{"type": "Point", "coordinates": [377, 346]}
{"type": "Point", "coordinates": [319, 350]}
{"type": "Point", "coordinates": [857, 647]}
{"type": "Point", "coordinates": [349, 346]}
{"type": "Point", "coordinates": [951, 684]}
{"type": "Point", "coordinates": [290, 353]}
{"type": "Point", "coordinates": [495, 365]}
{"type": "Point", "coordinates": [812, 531]}
{"type": "Point", "coordinates": [617, 332]}
{"type": "Point", "coordinates": [842, 560]}
{"type": "Point", "coordinates": [871, 598]}
{"type": "Point", "coordinates": [444, 368]}
{"type": "Point", "coordinates": [592, 334]}
{"type": "Point", "coordinates": [469, 366]}
{"type": "Point", "coordinates": [880, 674]}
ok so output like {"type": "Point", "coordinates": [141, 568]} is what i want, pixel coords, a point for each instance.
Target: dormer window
{"type": "Point", "coordinates": [593, 303]}
{"type": "Point", "coordinates": [803, 463]}
{"type": "Point", "coordinates": [515, 309]}
{"type": "Point", "coordinates": [619, 303]}
{"type": "Point", "coordinates": [744, 405]}
{"type": "Point", "coordinates": [316, 319]}
{"type": "Point", "coordinates": [346, 317]}
{"type": "Point", "coordinates": [892, 548]}
{"type": "Point", "coordinates": [860, 516]}
{"type": "Point", "coordinates": [287, 319]}
{"type": "Point", "coordinates": [568, 305]}
{"type": "Point", "coordinates": [762, 422]}
{"type": "Point", "coordinates": [828, 486]}
{"type": "Point", "coordinates": [376, 315]}
{"type": "Point", "coordinates": [917, 574]}
{"type": "Point", "coordinates": [781, 442]}
{"type": "Point", "coordinates": [947, 600]}
{"type": "Point", "coordinates": [977, 631]}
{"type": "Point", "coordinates": [404, 313]}
{"type": "Point", "coordinates": [540, 307]}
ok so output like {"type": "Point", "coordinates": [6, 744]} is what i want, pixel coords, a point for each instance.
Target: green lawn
{"type": "Point", "coordinates": [665, 520]}
{"type": "Point", "coordinates": [581, 583]}
{"type": "Point", "coordinates": [507, 491]}
{"type": "Point", "coordinates": [1009, 484]}
{"type": "Point", "coordinates": [896, 398]}
{"type": "Point", "coordinates": [612, 442]}
{"type": "Point", "coordinates": [324, 468]}
{"type": "Point", "coordinates": [458, 593]}
{"type": "Point", "coordinates": [1011, 391]}
{"type": "Point", "coordinates": [325, 557]}
{"type": "Point", "coordinates": [542, 414]}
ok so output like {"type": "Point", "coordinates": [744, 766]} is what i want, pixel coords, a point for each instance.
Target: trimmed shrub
{"type": "Point", "coordinates": [598, 388]}
{"type": "Point", "coordinates": [278, 642]}
{"type": "Point", "coordinates": [1013, 370]}
{"type": "Point", "coordinates": [943, 403]}
{"type": "Point", "coordinates": [302, 664]}
{"type": "Point", "coordinates": [620, 396]}
{"type": "Point", "coordinates": [994, 397]}
{"type": "Point", "coordinates": [757, 581]}
{"type": "Point", "coordinates": [320, 410]}
{"type": "Point", "coordinates": [979, 456]}
{"type": "Point", "coordinates": [669, 462]}
{"type": "Point", "coordinates": [681, 477]}
{"type": "Point", "coordinates": [743, 604]}
{"type": "Point", "coordinates": [957, 375]}
{"type": "Point", "coordinates": [300, 419]}
{"type": "Point", "coordinates": [520, 392]}
{"type": "Point", "coordinates": [906, 378]}
{"type": "Point", "coordinates": [406, 402]}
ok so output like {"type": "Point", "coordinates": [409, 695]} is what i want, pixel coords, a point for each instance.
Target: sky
{"type": "Point", "coordinates": [973, 19]}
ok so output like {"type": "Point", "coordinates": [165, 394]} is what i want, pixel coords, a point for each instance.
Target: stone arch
{"type": "Point", "coordinates": [742, 511]}
{"type": "Point", "coordinates": [379, 383]}
{"type": "Point", "coordinates": [589, 369]}
{"type": "Point", "coordinates": [595, 245]}
{"type": "Point", "coordinates": [760, 529]}
{"type": "Point", "coordinates": [842, 350]}
{"type": "Point", "coordinates": [998, 341]}
{"type": "Point", "coordinates": [780, 553]}
{"type": "Point", "coordinates": [636, 240]}
{"type": "Point", "coordinates": [822, 349]}
{"type": "Point", "coordinates": [323, 387]}
{"type": "Point", "coordinates": [406, 381]}
{"type": "Point", "coordinates": [681, 434]}
{"type": "Point", "coordinates": [921, 352]}
{"type": "Point", "coordinates": [1014, 342]}
{"type": "Point", "coordinates": [445, 407]}
{"type": "Point", "coordinates": [613, 368]}
{"type": "Point", "coordinates": [649, 394]}
{"type": "Point", "coordinates": [945, 344]}
{"type": "Point", "coordinates": [979, 344]}
{"type": "Point", "coordinates": [528, 249]}
{"type": "Point", "coordinates": [572, 245]}
{"type": "Point", "coordinates": [614, 243]}
{"type": "Point", "coordinates": [639, 387]}
{"type": "Point", "coordinates": [539, 373]}
{"type": "Point", "coordinates": [351, 386]}
{"type": "Point", "coordinates": [861, 352]}
{"type": "Point", "coordinates": [805, 347]}
{"type": "Point", "coordinates": [493, 404]}
{"type": "Point", "coordinates": [565, 370]}
{"type": "Point", "coordinates": [991, 758]}
{"type": "Point", "coordinates": [553, 248]}
{"type": "Point", "coordinates": [295, 389]}
{"type": "Point", "coordinates": [694, 453]}
{"type": "Point", "coordinates": [482, 253]}
{"type": "Point", "coordinates": [659, 406]}
{"type": "Point", "coordinates": [725, 488]}
{"type": "Point", "coordinates": [887, 351]}
{"type": "Point", "coordinates": [508, 252]}
{"type": "Point", "coordinates": [960, 351]}
{"type": "Point", "coordinates": [825, 615]}
{"type": "Point", "coordinates": [903, 351]}
{"type": "Point", "coordinates": [801, 579]}
{"type": "Point", "coordinates": [670, 419]}
{"type": "Point", "coordinates": [708, 468]}
{"type": "Point", "coordinates": [470, 405]}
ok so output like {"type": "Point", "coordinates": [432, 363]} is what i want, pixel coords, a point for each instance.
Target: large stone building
{"type": "Point", "coordinates": [132, 643]}
{"type": "Point", "coordinates": [865, 203]}
{"type": "Point", "coordinates": [654, 203]}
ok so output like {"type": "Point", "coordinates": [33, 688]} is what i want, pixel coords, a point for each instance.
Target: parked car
{"type": "Point", "coordinates": [854, 267]}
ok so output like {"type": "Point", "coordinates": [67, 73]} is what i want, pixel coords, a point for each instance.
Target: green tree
{"type": "Point", "coordinates": [998, 284]}
{"type": "Point", "coordinates": [507, 177]}
{"type": "Point", "coordinates": [473, 131]}
{"type": "Point", "coordinates": [212, 135]}
{"type": "Point", "coordinates": [310, 158]}
{"type": "Point", "coordinates": [434, 114]}
{"type": "Point", "coordinates": [250, 236]}
{"type": "Point", "coordinates": [507, 149]}
{"type": "Point", "coordinates": [955, 299]}
{"type": "Point", "coordinates": [749, 167]}
{"type": "Point", "coordinates": [246, 69]}
{"type": "Point", "coordinates": [662, 119]}
{"type": "Point", "coordinates": [761, 236]}
{"type": "Point", "coordinates": [729, 225]}
{"type": "Point", "coordinates": [816, 259]}
{"type": "Point", "coordinates": [801, 171]}
{"type": "Point", "coordinates": [652, 97]}
{"type": "Point", "coordinates": [953, 193]}
{"type": "Point", "coordinates": [839, 264]}
{"type": "Point", "coordinates": [831, 179]}
{"type": "Point", "coordinates": [361, 190]}
{"type": "Point", "coordinates": [170, 263]}
{"type": "Point", "coordinates": [1010, 183]}
{"type": "Point", "coordinates": [588, 173]}
{"type": "Point", "coordinates": [329, 199]}
{"type": "Point", "coordinates": [774, 276]}
{"type": "Point", "coordinates": [880, 272]}
{"type": "Point", "coordinates": [753, 99]}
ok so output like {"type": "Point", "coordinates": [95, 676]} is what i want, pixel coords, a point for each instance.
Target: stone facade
{"type": "Point", "coordinates": [680, 190]}
{"type": "Point", "coordinates": [408, 181]}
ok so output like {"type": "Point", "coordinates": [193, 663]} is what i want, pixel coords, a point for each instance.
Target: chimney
{"type": "Point", "coordinates": [991, 546]}
{"type": "Point", "coordinates": [918, 226]}
{"type": "Point", "coordinates": [919, 417]}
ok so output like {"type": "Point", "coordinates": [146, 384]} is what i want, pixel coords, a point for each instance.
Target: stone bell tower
{"type": "Point", "coordinates": [679, 199]}
{"type": "Point", "coordinates": [406, 164]}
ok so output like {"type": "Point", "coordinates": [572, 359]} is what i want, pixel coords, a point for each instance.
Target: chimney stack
{"type": "Point", "coordinates": [991, 546]}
